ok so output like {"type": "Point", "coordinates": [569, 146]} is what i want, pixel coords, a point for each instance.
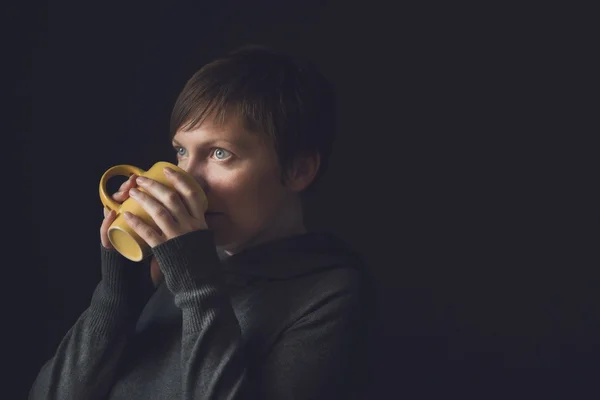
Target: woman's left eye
{"type": "Point", "coordinates": [221, 154]}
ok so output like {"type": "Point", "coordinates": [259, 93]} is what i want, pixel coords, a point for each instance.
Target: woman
{"type": "Point", "coordinates": [238, 301]}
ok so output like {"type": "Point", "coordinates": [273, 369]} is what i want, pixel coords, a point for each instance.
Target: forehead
{"type": "Point", "coordinates": [230, 130]}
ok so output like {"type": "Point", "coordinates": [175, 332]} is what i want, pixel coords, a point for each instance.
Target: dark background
{"type": "Point", "coordinates": [436, 177]}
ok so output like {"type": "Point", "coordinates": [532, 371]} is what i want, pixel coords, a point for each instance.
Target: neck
{"type": "Point", "coordinates": [288, 222]}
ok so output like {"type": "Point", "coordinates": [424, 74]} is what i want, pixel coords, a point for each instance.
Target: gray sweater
{"type": "Point", "coordinates": [282, 320]}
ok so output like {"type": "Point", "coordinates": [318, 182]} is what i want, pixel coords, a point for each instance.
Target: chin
{"type": "Point", "coordinates": [228, 242]}
{"type": "Point", "coordinates": [222, 236]}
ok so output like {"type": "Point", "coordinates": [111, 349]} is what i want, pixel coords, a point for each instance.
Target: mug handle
{"type": "Point", "coordinates": [117, 170]}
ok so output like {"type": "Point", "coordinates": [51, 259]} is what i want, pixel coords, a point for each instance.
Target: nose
{"type": "Point", "coordinates": [196, 175]}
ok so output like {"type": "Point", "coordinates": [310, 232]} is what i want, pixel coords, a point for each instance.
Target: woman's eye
{"type": "Point", "coordinates": [221, 154]}
{"type": "Point", "coordinates": [180, 151]}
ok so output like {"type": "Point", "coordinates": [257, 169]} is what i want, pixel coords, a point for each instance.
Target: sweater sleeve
{"type": "Point", "coordinates": [83, 366]}
{"type": "Point", "coordinates": [212, 361]}
{"type": "Point", "coordinates": [310, 361]}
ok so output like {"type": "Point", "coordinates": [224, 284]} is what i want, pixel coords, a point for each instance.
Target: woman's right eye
{"type": "Point", "coordinates": [181, 152]}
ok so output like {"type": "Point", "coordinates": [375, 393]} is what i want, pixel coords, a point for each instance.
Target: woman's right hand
{"type": "Point", "coordinates": [109, 215]}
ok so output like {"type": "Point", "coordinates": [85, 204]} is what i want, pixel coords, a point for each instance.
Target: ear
{"type": "Point", "coordinates": [303, 172]}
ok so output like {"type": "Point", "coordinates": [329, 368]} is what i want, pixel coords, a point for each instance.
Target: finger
{"type": "Point", "coordinates": [159, 213]}
{"type": "Point", "coordinates": [169, 197]}
{"type": "Point", "coordinates": [192, 198]}
{"type": "Point", "coordinates": [145, 231]}
{"type": "Point", "coordinates": [129, 183]}
{"type": "Point", "coordinates": [108, 220]}
{"type": "Point", "coordinates": [130, 180]}
{"type": "Point", "coordinates": [121, 196]}
{"type": "Point", "coordinates": [123, 193]}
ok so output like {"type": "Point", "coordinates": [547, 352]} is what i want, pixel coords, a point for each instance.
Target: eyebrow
{"type": "Point", "coordinates": [213, 142]}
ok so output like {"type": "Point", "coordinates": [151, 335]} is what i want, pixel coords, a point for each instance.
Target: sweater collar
{"type": "Point", "coordinates": [292, 256]}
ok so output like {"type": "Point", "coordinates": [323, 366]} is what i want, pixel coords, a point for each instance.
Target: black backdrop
{"type": "Point", "coordinates": [433, 177]}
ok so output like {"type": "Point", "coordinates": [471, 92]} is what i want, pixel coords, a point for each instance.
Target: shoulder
{"type": "Point", "coordinates": [335, 265]}
{"type": "Point", "coordinates": [342, 287]}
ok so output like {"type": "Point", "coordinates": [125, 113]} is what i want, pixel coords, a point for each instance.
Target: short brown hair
{"type": "Point", "coordinates": [288, 100]}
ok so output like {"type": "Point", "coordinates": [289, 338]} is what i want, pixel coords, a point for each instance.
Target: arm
{"type": "Point", "coordinates": [310, 361]}
{"type": "Point", "coordinates": [83, 366]}
{"type": "Point", "coordinates": [212, 361]}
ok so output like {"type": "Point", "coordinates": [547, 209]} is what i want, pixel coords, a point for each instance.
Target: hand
{"type": "Point", "coordinates": [176, 211]}
{"type": "Point", "coordinates": [109, 215]}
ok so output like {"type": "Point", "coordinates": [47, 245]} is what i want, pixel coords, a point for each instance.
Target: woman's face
{"type": "Point", "coordinates": [240, 174]}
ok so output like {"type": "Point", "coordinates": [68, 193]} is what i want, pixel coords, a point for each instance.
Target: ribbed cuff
{"type": "Point", "coordinates": [188, 260]}
{"type": "Point", "coordinates": [191, 268]}
{"type": "Point", "coordinates": [113, 272]}
{"type": "Point", "coordinates": [126, 283]}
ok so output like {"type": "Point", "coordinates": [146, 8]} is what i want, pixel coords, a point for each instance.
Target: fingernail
{"type": "Point", "coordinates": [133, 192]}
{"type": "Point", "coordinates": [169, 171]}
{"type": "Point", "coordinates": [141, 179]}
{"type": "Point", "coordinates": [127, 215]}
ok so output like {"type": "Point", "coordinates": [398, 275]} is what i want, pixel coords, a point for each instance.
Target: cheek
{"type": "Point", "coordinates": [244, 191]}
{"type": "Point", "coordinates": [227, 188]}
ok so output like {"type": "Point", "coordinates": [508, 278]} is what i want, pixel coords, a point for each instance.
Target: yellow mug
{"type": "Point", "coordinates": [123, 238]}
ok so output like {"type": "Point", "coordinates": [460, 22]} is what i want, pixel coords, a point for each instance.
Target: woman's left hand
{"type": "Point", "coordinates": [176, 211]}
